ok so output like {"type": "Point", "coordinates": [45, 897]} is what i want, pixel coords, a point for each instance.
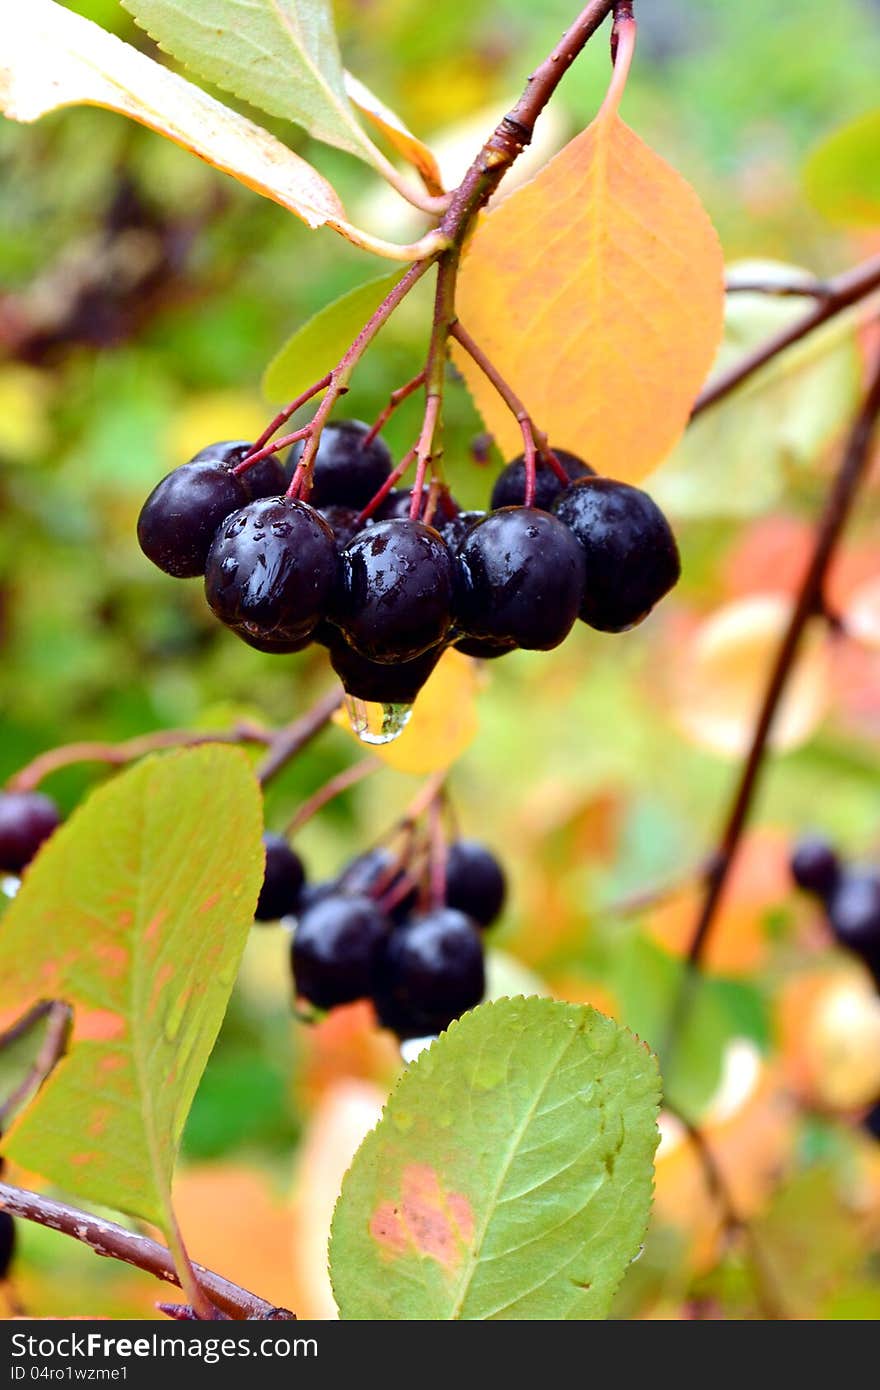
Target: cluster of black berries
{"type": "Point", "coordinates": [850, 895]}
{"type": "Point", "coordinates": [366, 935]}
{"type": "Point", "coordinates": [26, 820]}
{"type": "Point", "coordinates": [386, 594]}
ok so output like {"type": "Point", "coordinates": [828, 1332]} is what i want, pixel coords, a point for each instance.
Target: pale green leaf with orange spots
{"type": "Point", "coordinates": [510, 1175]}
{"type": "Point", "coordinates": [135, 913]}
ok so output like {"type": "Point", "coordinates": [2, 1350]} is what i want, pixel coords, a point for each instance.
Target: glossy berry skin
{"type": "Point", "coordinates": [346, 472]}
{"type": "Point", "coordinates": [510, 485]}
{"type": "Point", "coordinates": [378, 873]}
{"type": "Point", "coordinates": [336, 947]}
{"type": "Point", "coordinates": [274, 646]}
{"type": "Point", "coordinates": [26, 820]}
{"type": "Point", "coordinates": [7, 1243]}
{"type": "Point", "coordinates": [396, 592]}
{"type": "Point", "coordinates": [272, 569]}
{"type": "Point", "coordinates": [264, 479]}
{"type": "Point", "coordinates": [283, 880]}
{"type": "Point", "coordinates": [520, 579]}
{"type": "Point", "coordinates": [343, 522]}
{"type": "Point", "coordinates": [180, 517]}
{"type": "Point", "coordinates": [430, 971]}
{"type": "Point", "coordinates": [814, 866]}
{"type": "Point", "coordinates": [854, 913]}
{"type": "Point", "coordinates": [380, 683]}
{"type": "Point", "coordinates": [395, 506]}
{"type": "Point", "coordinates": [630, 551]}
{"type": "Point", "coordinates": [475, 882]}
{"type": "Point", "coordinates": [483, 648]}
{"type": "Point", "coordinates": [455, 528]}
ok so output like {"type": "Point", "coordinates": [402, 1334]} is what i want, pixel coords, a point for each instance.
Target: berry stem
{"type": "Point", "coordinates": [841, 293]}
{"type": "Point", "coordinates": [393, 478]}
{"type": "Point", "coordinates": [342, 782]}
{"type": "Point", "coordinates": [838, 504]}
{"type": "Point", "coordinates": [395, 399]}
{"type": "Point", "coordinates": [423, 453]}
{"type": "Point", "coordinates": [108, 1239]}
{"type": "Point", "coordinates": [273, 447]}
{"type": "Point", "coordinates": [292, 739]}
{"type": "Point", "coordinates": [290, 409]}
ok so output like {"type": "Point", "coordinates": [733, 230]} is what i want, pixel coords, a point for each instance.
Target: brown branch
{"type": "Point", "coordinates": [289, 741]}
{"type": "Point", "coordinates": [342, 782]}
{"type": "Point", "coordinates": [841, 293]}
{"type": "Point", "coordinates": [114, 1242]}
{"type": "Point", "coordinates": [117, 754]}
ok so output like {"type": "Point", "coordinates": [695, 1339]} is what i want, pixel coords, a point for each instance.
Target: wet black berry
{"type": "Point", "coordinates": [379, 874]}
{"type": "Point", "coordinates": [380, 682]}
{"type": "Point", "coordinates": [815, 866]}
{"type": "Point", "coordinates": [272, 569]}
{"type": "Point", "coordinates": [483, 648]}
{"type": "Point", "coordinates": [26, 820]}
{"type": "Point", "coordinates": [871, 1122]}
{"type": "Point", "coordinates": [630, 551]}
{"type": "Point", "coordinates": [475, 882]}
{"type": "Point", "coordinates": [343, 522]}
{"type": "Point", "coordinates": [510, 485]}
{"type": "Point", "coordinates": [395, 506]}
{"type": "Point", "coordinates": [180, 517]}
{"type": "Point", "coordinates": [7, 1243]}
{"type": "Point", "coordinates": [455, 528]}
{"type": "Point", "coordinates": [267, 478]}
{"type": "Point", "coordinates": [396, 591]}
{"type": "Point", "coordinates": [276, 646]}
{"type": "Point", "coordinates": [346, 472]}
{"type": "Point", "coordinates": [854, 913]}
{"type": "Point", "coordinates": [520, 579]}
{"type": "Point", "coordinates": [430, 971]}
{"type": "Point", "coordinates": [335, 950]}
{"type": "Point", "coordinates": [283, 880]}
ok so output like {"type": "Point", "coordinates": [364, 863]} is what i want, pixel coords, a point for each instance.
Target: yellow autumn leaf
{"type": "Point", "coordinates": [50, 58]}
{"type": "Point", "coordinates": [413, 150]}
{"type": "Point", "coordinates": [597, 292]}
{"type": "Point", "coordinates": [443, 723]}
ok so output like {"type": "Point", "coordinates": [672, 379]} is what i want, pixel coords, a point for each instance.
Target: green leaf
{"type": "Point", "coordinates": [738, 457]}
{"type": "Point", "coordinates": [316, 346]}
{"type": "Point", "coordinates": [279, 55]}
{"type": "Point", "coordinates": [510, 1175]}
{"type": "Point", "coordinates": [135, 913]}
{"type": "Point", "coordinates": [50, 58]}
{"type": "Point", "coordinates": [842, 175]}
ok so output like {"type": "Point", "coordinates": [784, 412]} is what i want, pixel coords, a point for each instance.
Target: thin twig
{"type": "Point", "coordinates": [843, 291]}
{"type": "Point", "coordinates": [395, 399]}
{"type": "Point", "coordinates": [289, 741]}
{"type": "Point", "coordinates": [114, 1242]}
{"type": "Point", "coordinates": [342, 782]}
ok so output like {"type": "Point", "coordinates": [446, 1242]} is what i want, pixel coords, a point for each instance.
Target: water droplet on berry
{"type": "Point", "coordinates": [374, 723]}
{"type": "Point", "coordinates": [9, 885]}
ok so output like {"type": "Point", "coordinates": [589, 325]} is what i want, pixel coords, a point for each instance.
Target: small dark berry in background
{"type": "Point", "coordinates": [396, 592]}
{"type": "Point", "coordinates": [314, 893]}
{"type": "Point", "coordinates": [475, 882]}
{"type": "Point", "coordinates": [815, 866]}
{"type": "Point", "coordinates": [630, 551]}
{"type": "Point", "coordinates": [854, 913]}
{"type": "Point", "coordinates": [26, 820]}
{"type": "Point", "coordinates": [395, 506]}
{"type": "Point", "coordinates": [455, 528]}
{"type": "Point", "coordinates": [520, 579]}
{"type": "Point", "coordinates": [430, 972]}
{"type": "Point", "coordinates": [283, 880]}
{"type": "Point", "coordinates": [272, 569]}
{"type": "Point", "coordinates": [377, 874]}
{"type": "Point", "coordinates": [871, 1122]}
{"type": "Point", "coordinates": [268, 478]}
{"type": "Point", "coordinates": [180, 517]}
{"type": "Point", "coordinates": [509, 489]}
{"type": "Point", "coordinates": [343, 522]}
{"type": "Point", "coordinates": [379, 682]}
{"type": "Point", "coordinates": [335, 950]}
{"type": "Point", "coordinates": [345, 472]}
{"type": "Point", "coordinates": [7, 1243]}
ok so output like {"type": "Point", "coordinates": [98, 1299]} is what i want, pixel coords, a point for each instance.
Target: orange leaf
{"type": "Point", "coordinates": [597, 291]}
{"type": "Point", "coordinates": [413, 150]}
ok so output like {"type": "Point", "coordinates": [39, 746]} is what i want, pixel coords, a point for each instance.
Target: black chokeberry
{"type": "Point", "coordinates": [379, 874]}
{"type": "Point", "coordinates": [345, 471]}
{"type": "Point", "coordinates": [854, 913]}
{"type": "Point", "coordinates": [430, 971]}
{"type": "Point", "coordinates": [7, 1243]}
{"type": "Point", "coordinates": [394, 506]}
{"type": "Point", "coordinates": [454, 529]}
{"type": "Point", "coordinates": [344, 522]}
{"type": "Point", "coordinates": [630, 551]}
{"type": "Point", "coordinates": [180, 517]}
{"type": "Point", "coordinates": [276, 646]}
{"type": "Point", "coordinates": [267, 478]}
{"type": "Point", "coordinates": [283, 880]}
{"type": "Point", "coordinates": [395, 596]}
{"type": "Point", "coordinates": [475, 882]}
{"type": "Point", "coordinates": [871, 1122]}
{"type": "Point", "coordinates": [483, 648]}
{"type": "Point", "coordinates": [272, 569]}
{"type": "Point", "coordinates": [380, 682]}
{"type": "Point", "coordinates": [815, 866]}
{"type": "Point", "coordinates": [510, 485]}
{"type": "Point", "coordinates": [336, 946]}
{"type": "Point", "coordinates": [520, 579]}
{"type": "Point", "coordinates": [26, 820]}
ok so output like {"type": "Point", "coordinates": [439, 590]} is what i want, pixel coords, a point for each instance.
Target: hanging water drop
{"type": "Point", "coordinates": [374, 723]}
